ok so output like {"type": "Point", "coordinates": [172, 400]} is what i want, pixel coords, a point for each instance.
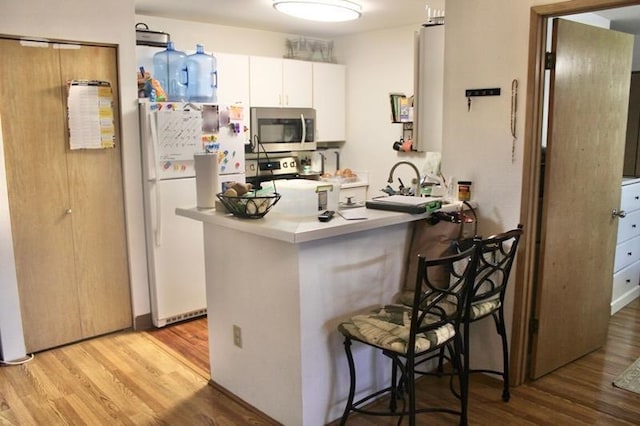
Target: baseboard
{"type": "Point", "coordinates": [625, 299]}
{"type": "Point", "coordinates": [143, 322]}
{"type": "Point", "coordinates": [259, 414]}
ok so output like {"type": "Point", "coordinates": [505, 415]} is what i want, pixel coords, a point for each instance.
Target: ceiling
{"type": "Point", "coordinates": [377, 14]}
{"type": "Point", "coordinates": [259, 14]}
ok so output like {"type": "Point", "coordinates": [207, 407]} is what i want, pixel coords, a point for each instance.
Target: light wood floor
{"type": "Point", "coordinates": [134, 378]}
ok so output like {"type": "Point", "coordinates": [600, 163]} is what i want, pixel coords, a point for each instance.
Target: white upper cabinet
{"type": "Point", "coordinates": [275, 82]}
{"type": "Point", "coordinates": [429, 89]}
{"type": "Point", "coordinates": [329, 93]}
{"type": "Point", "coordinates": [233, 79]}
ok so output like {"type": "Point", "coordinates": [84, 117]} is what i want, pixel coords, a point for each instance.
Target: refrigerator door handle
{"type": "Point", "coordinates": [157, 231]}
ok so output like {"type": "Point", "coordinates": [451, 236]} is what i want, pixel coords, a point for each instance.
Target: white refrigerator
{"type": "Point", "coordinates": [170, 134]}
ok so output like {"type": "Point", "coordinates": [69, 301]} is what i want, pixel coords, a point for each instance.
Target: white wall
{"type": "Point", "coordinates": [218, 38]}
{"type": "Point", "coordinates": [110, 23]}
{"type": "Point", "coordinates": [378, 63]}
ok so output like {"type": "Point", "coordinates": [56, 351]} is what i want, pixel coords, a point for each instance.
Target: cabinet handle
{"type": "Point", "coordinates": [628, 281]}
{"type": "Point", "coordinates": [634, 226]}
{"type": "Point", "coordinates": [629, 254]}
{"type": "Point", "coordinates": [637, 197]}
{"type": "Point", "coordinates": [618, 213]}
{"type": "Point", "coordinates": [67, 211]}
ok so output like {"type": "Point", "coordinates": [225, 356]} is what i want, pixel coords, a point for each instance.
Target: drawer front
{"type": "Point", "coordinates": [627, 253]}
{"type": "Point", "coordinates": [630, 197]}
{"type": "Point", "coordinates": [625, 280]}
{"type": "Point", "coordinates": [629, 226]}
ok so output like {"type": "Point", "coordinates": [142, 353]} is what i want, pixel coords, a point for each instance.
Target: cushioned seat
{"type": "Point", "coordinates": [389, 328]}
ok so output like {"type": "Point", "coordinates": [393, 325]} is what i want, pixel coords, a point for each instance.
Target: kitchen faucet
{"type": "Point", "coordinates": [415, 181]}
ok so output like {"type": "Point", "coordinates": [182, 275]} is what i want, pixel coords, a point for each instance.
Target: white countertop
{"type": "Point", "coordinates": [299, 229]}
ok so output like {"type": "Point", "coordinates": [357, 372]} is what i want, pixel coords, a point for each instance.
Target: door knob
{"type": "Point", "coordinates": [618, 213]}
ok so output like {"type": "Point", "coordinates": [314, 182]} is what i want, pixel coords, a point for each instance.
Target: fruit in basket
{"type": "Point", "coordinates": [242, 188]}
{"type": "Point", "coordinates": [230, 192]}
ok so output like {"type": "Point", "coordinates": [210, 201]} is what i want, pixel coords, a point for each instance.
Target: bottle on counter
{"type": "Point", "coordinates": [202, 76]}
{"type": "Point", "coordinates": [169, 68]}
{"type": "Point", "coordinates": [464, 190]}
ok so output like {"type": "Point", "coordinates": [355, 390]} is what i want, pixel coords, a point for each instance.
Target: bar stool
{"type": "Point", "coordinates": [408, 335]}
{"type": "Point", "coordinates": [495, 260]}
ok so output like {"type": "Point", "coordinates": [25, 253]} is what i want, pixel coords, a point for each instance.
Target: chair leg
{"type": "Point", "coordinates": [393, 405]}
{"type": "Point", "coordinates": [352, 381]}
{"type": "Point", "coordinates": [460, 348]}
{"type": "Point", "coordinates": [411, 390]}
{"type": "Point", "coordinates": [505, 354]}
{"type": "Point", "coordinates": [441, 361]}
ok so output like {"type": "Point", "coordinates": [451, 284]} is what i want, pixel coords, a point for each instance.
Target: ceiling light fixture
{"type": "Point", "coordinates": [320, 10]}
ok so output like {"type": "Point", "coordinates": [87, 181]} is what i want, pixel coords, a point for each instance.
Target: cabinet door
{"type": "Point", "coordinates": [265, 81]}
{"type": "Point", "coordinates": [233, 79]}
{"type": "Point", "coordinates": [297, 83]}
{"type": "Point", "coordinates": [329, 93]}
{"type": "Point", "coordinates": [97, 203]}
{"type": "Point", "coordinates": [35, 159]}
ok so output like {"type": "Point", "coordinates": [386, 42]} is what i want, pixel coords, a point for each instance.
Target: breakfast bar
{"type": "Point", "coordinates": [277, 287]}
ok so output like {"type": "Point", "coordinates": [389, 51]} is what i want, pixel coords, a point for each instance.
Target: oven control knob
{"type": "Point", "coordinates": [293, 164]}
{"type": "Point", "coordinates": [284, 165]}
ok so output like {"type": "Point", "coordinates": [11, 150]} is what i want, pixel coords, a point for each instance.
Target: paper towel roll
{"type": "Point", "coordinates": [207, 183]}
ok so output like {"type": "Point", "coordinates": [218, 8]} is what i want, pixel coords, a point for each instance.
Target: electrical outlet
{"type": "Point", "coordinates": [237, 336]}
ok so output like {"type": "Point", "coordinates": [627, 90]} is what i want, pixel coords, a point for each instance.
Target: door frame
{"type": "Point", "coordinates": [529, 202]}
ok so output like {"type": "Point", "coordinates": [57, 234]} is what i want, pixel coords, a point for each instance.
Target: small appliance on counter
{"type": "Point", "coordinates": [303, 197]}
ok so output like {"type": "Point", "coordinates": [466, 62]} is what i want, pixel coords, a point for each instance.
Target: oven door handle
{"type": "Point", "coordinates": [304, 131]}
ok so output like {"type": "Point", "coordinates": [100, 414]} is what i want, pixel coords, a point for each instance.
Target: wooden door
{"type": "Point", "coordinates": [35, 162]}
{"type": "Point", "coordinates": [97, 203]}
{"type": "Point", "coordinates": [65, 206]}
{"type": "Point", "coordinates": [587, 125]}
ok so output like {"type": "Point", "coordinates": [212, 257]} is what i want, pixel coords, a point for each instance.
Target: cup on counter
{"type": "Point", "coordinates": [207, 184]}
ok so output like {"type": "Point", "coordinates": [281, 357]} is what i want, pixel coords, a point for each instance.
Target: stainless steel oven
{"type": "Point", "coordinates": [258, 170]}
{"type": "Point", "coordinates": [283, 129]}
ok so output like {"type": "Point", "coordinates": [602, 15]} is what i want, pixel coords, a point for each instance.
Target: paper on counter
{"type": "Point", "coordinates": [354, 214]}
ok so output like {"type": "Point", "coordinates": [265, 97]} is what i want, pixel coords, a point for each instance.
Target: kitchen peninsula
{"type": "Point", "coordinates": [277, 287]}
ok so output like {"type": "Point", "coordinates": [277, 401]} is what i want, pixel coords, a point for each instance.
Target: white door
{"type": "Point", "coordinates": [177, 276]}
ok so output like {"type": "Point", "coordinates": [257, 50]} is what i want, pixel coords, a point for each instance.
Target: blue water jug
{"type": "Point", "coordinates": [202, 76]}
{"type": "Point", "coordinates": [169, 68]}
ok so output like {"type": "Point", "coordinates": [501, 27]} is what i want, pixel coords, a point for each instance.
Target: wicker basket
{"type": "Point", "coordinates": [251, 207]}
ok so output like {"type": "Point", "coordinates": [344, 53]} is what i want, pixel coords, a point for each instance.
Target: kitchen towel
{"type": "Point", "coordinates": [207, 183]}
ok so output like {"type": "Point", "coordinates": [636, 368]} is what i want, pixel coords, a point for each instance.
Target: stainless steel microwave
{"type": "Point", "coordinates": [283, 129]}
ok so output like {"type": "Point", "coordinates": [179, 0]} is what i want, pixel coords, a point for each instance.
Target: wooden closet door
{"type": "Point", "coordinates": [97, 202]}
{"type": "Point", "coordinates": [33, 129]}
{"type": "Point", "coordinates": [67, 207]}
